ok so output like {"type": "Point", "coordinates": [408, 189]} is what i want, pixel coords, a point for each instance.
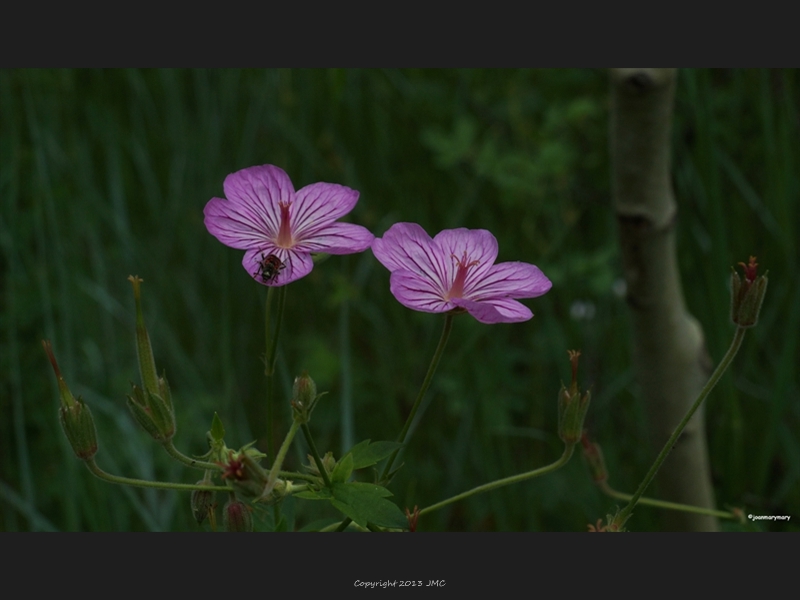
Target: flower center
{"type": "Point", "coordinates": [462, 268]}
{"type": "Point", "coordinates": [285, 239]}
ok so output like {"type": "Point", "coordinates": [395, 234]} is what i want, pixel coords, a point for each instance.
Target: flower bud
{"type": "Point", "coordinates": [202, 500]}
{"type": "Point", "coordinates": [572, 407]}
{"type": "Point", "coordinates": [304, 398]}
{"type": "Point", "coordinates": [748, 295]}
{"type": "Point", "coordinates": [74, 415]}
{"type": "Point", "coordinates": [236, 516]}
{"type": "Point", "coordinates": [78, 426]}
{"type": "Point", "coordinates": [144, 352]}
{"type": "Point", "coordinates": [594, 458]}
{"type": "Point", "coordinates": [153, 413]}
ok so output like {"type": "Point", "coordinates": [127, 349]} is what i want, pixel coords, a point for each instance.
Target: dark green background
{"type": "Point", "coordinates": [105, 174]}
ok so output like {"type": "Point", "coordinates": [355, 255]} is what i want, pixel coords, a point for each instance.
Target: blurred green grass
{"type": "Point", "coordinates": [105, 174]}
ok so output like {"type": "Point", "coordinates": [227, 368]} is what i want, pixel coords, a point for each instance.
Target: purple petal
{"type": "Point", "coordinates": [406, 246]}
{"type": "Point", "coordinates": [235, 226]}
{"type": "Point", "coordinates": [417, 293]}
{"type": "Point", "coordinates": [318, 205]}
{"type": "Point", "coordinates": [496, 310]}
{"type": "Point", "coordinates": [473, 244]}
{"type": "Point", "coordinates": [338, 238]}
{"type": "Point", "coordinates": [509, 279]}
{"type": "Point", "coordinates": [259, 190]}
{"type": "Point", "coordinates": [295, 265]}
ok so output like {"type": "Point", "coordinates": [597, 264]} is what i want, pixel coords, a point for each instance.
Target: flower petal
{"type": "Point", "coordinates": [235, 226]}
{"type": "Point", "coordinates": [406, 246]}
{"type": "Point", "coordinates": [295, 265]}
{"type": "Point", "coordinates": [338, 238]}
{"type": "Point", "coordinates": [477, 244]}
{"type": "Point", "coordinates": [509, 279]}
{"type": "Point", "coordinates": [318, 205]}
{"type": "Point", "coordinates": [259, 190]}
{"type": "Point", "coordinates": [496, 310]}
{"type": "Point", "coordinates": [417, 293]}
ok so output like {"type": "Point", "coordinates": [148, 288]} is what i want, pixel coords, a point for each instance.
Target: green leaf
{"type": "Point", "coordinates": [282, 525]}
{"type": "Point", "coordinates": [323, 494]}
{"type": "Point", "coordinates": [366, 503]}
{"type": "Point", "coordinates": [217, 430]}
{"type": "Point", "coordinates": [319, 524]}
{"type": "Point", "coordinates": [342, 470]}
{"type": "Point", "coordinates": [366, 454]}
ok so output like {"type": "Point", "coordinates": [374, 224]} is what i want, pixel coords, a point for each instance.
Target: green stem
{"type": "Point", "coordinates": [315, 455]}
{"type": "Point", "coordinates": [437, 355]}
{"type": "Point", "coordinates": [189, 462]}
{"type": "Point", "coordinates": [273, 474]}
{"type": "Point", "coordinates": [162, 485]}
{"type": "Point", "coordinates": [341, 527]}
{"type": "Point", "coordinates": [295, 475]}
{"type": "Point", "coordinates": [271, 355]}
{"type": "Point", "coordinates": [609, 491]}
{"type": "Point", "coordinates": [624, 514]}
{"type": "Point", "coordinates": [493, 485]}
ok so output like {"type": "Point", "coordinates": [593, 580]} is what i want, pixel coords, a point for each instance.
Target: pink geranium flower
{"type": "Point", "coordinates": [280, 228]}
{"type": "Point", "coordinates": [456, 270]}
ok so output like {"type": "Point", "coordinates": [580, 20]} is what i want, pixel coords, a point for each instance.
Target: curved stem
{"type": "Point", "coordinates": [568, 449]}
{"type": "Point", "coordinates": [722, 514]}
{"type": "Point", "coordinates": [624, 514]}
{"type": "Point", "coordinates": [315, 455]}
{"type": "Point", "coordinates": [437, 355]}
{"type": "Point", "coordinates": [188, 461]}
{"type": "Point", "coordinates": [162, 485]}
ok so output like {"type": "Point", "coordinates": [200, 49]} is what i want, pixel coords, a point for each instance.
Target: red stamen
{"type": "Point", "coordinates": [285, 232]}
{"type": "Point", "coordinates": [750, 269]}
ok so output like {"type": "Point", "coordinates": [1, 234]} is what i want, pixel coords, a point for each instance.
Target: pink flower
{"type": "Point", "coordinates": [280, 228]}
{"type": "Point", "coordinates": [456, 270]}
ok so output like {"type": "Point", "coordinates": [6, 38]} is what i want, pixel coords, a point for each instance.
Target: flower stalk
{"type": "Point", "coordinates": [437, 355]}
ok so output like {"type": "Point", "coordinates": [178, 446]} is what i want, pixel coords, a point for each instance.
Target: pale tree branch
{"type": "Point", "coordinates": [669, 352]}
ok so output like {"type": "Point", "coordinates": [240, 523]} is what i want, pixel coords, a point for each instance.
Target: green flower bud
{"type": "Point", "coordinates": [75, 417]}
{"type": "Point", "coordinates": [144, 352]}
{"type": "Point", "coordinates": [153, 413]}
{"type": "Point", "coordinates": [747, 296]}
{"type": "Point", "coordinates": [572, 407]}
{"type": "Point", "coordinates": [304, 398]}
{"type": "Point", "coordinates": [78, 426]}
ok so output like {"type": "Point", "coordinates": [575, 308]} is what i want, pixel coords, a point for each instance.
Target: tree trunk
{"type": "Point", "coordinates": [669, 352]}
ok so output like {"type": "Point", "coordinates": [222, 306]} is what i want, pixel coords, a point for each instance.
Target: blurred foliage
{"type": "Point", "coordinates": [105, 174]}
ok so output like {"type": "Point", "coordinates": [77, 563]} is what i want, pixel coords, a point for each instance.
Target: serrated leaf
{"type": "Point", "coordinates": [342, 470]}
{"type": "Point", "coordinates": [217, 430]}
{"type": "Point", "coordinates": [366, 503]}
{"type": "Point", "coordinates": [366, 454]}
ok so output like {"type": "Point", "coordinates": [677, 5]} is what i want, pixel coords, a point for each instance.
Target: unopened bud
{"type": "Point", "coordinates": [236, 517]}
{"type": "Point", "coordinates": [144, 351]}
{"type": "Point", "coordinates": [152, 412]}
{"type": "Point", "coordinates": [572, 406]}
{"type": "Point", "coordinates": [304, 398]}
{"type": "Point", "coordinates": [747, 296]}
{"type": "Point", "coordinates": [202, 500]}
{"type": "Point", "coordinates": [74, 415]}
{"type": "Point", "coordinates": [594, 458]}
